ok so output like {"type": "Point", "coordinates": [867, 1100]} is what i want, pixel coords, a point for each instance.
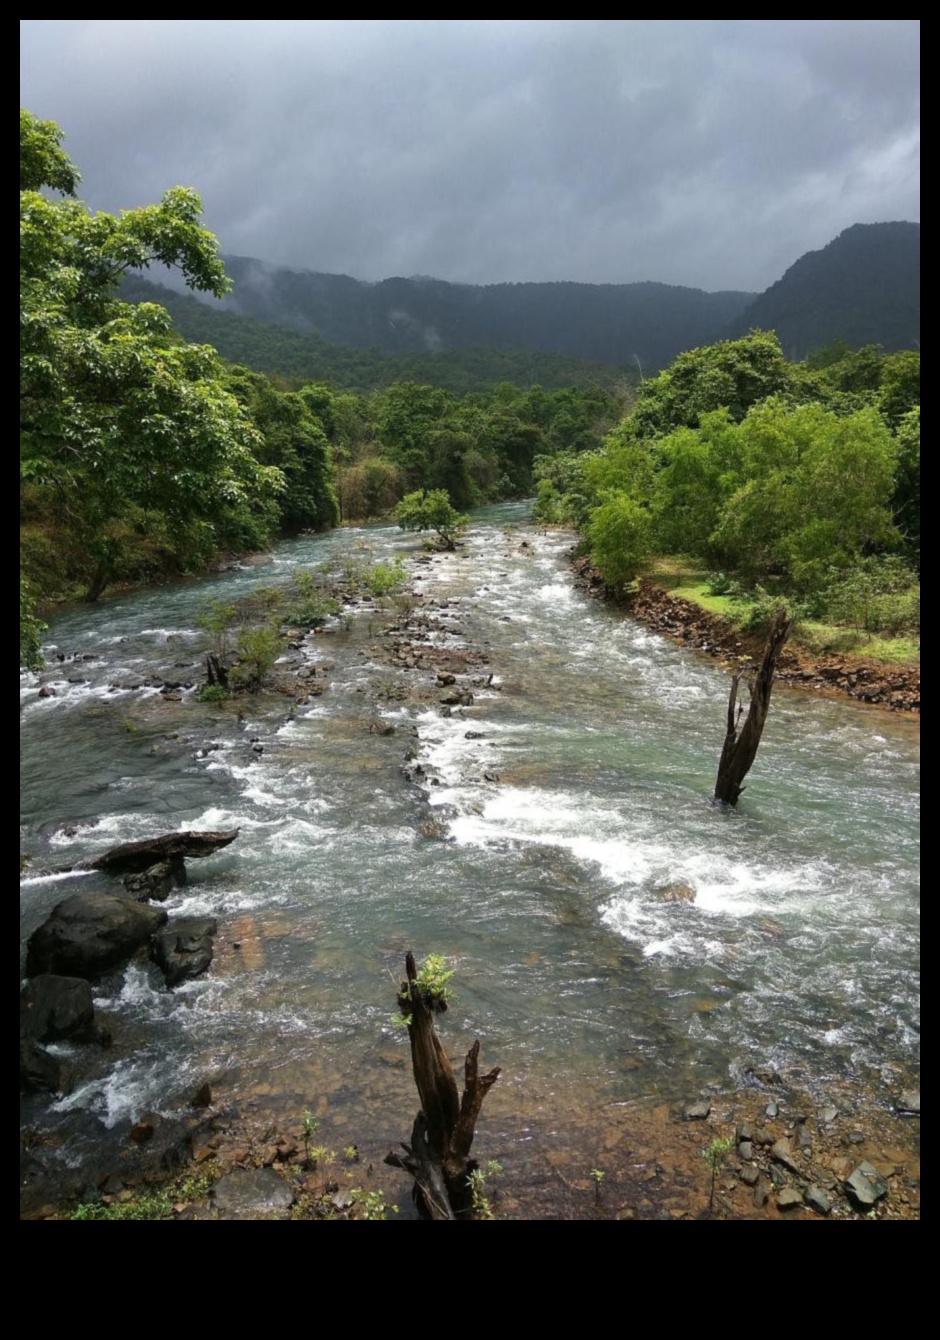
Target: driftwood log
{"type": "Point", "coordinates": [438, 1157]}
{"type": "Point", "coordinates": [134, 857]}
{"type": "Point", "coordinates": [741, 741]}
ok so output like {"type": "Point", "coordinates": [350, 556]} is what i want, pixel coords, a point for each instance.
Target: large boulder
{"type": "Point", "coordinates": [53, 1007]}
{"type": "Point", "coordinates": [89, 933]}
{"type": "Point", "coordinates": [184, 948]}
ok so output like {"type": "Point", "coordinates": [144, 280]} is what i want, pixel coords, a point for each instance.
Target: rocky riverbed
{"type": "Point", "coordinates": [784, 1151]}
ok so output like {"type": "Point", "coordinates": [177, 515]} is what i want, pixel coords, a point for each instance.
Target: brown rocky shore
{"type": "Point", "coordinates": [896, 688]}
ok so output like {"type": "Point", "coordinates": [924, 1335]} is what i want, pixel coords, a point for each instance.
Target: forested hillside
{"type": "Point", "coordinates": [297, 358]}
{"type": "Point", "coordinates": [603, 323]}
{"type": "Point", "coordinates": [863, 288]}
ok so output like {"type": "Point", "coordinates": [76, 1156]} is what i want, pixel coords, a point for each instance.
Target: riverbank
{"type": "Point", "coordinates": [894, 687]}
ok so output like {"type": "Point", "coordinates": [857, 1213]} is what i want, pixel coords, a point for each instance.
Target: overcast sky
{"type": "Point", "coordinates": [711, 153]}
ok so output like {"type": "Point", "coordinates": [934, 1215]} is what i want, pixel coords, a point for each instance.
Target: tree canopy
{"type": "Point", "coordinates": [124, 430]}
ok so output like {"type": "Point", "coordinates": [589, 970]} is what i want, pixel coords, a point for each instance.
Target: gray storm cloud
{"type": "Point", "coordinates": [711, 153]}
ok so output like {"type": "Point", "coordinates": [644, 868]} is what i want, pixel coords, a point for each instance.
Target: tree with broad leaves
{"type": "Point", "coordinates": [127, 435]}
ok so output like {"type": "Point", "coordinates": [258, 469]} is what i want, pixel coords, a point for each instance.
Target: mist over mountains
{"type": "Point", "coordinates": [863, 288]}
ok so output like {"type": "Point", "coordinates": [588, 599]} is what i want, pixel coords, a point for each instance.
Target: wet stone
{"type": "Point", "coordinates": [253, 1193]}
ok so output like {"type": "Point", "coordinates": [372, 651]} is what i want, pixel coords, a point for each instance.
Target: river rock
{"type": "Point", "coordinates": [156, 882]}
{"type": "Point", "coordinates": [789, 1198]}
{"type": "Point", "coordinates": [676, 893]}
{"type": "Point", "coordinates": [782, 1153]}
{"type": "Point", "coordinates": [698, 1111]}
{"type": "Point", "coordinates": [89, 933]}
{"type": "Point", "coordinates": [252, 1193]}
{"type": "Point", "coordinates": [54, 1007]}
{"type": "Point", "coordinates": [817, 1200]}
{"type": "Point", "coordinates": [865, 1186]}
{"type": "Point", "coordinates": [908, 1104]}
{"type": "Point", "coordinates": [184, 949]}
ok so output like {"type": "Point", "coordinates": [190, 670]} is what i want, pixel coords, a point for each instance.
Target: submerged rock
{"type": "Point", "coordinates": [184, 949]}
{"type": "Point", "coordinates": [676, 893]}
{"type": "Point", "coordinates": [255, 1193]}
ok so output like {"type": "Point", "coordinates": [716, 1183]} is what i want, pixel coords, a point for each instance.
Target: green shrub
{"type": "Point", "coordinates": [258, 649]}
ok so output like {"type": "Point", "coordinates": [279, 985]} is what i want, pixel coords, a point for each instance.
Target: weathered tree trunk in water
{"type": "Point", "coordinates": [438, 1157]}
{"type": "Point", "coordinates": [740, 747]}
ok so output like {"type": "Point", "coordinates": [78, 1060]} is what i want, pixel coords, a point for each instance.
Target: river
{"type": "Point", "coordinates": [530, 849]}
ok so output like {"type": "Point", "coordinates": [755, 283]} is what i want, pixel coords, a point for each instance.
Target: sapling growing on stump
{"type": "Point", "coordinates": [438, 1157]}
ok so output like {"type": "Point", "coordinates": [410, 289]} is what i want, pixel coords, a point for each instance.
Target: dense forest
{"type": "Point", "coordinates": [604, 323]}
{"type": "Point", "coordinates": [292, 357]}
{"type": "Point", "coordinates": [144, 455]}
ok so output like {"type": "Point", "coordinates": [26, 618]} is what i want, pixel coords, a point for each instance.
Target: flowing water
{"type": "Point", "coordinates": [582, 790]}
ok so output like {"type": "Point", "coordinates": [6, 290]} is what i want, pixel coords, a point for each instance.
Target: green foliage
{"type": "Point", "coordinates": [257, 649]}
{"type": "Point", "coordinates": [373, 1203]}
{"type": "Point", "coordinates": [476, 1181]}
{"type": "Point", "coordinates": [714, 1156]}
{"type": "Point", "coordinates": [757, 610]}
{"type": "Point", "coordinates": [878, 594]}
{"type": "Point", "coordinates": [308, 605]}
{"type": "Point", "coordinates": [620, 535]}
{"type": "Point", "coordinates": [432, 511]}
{"type": "Point", "coordinates": [597, 1177]}
{"type": "Point", "coordinates": [153, 1203]}
{"type": "Point", "coordinates": [386, 578]}
{"type": "Point", "coordinates": [293, 439]}
{"type": "Point", "coordinates": [212, 693]}
{"type": "Point", "coordinates": [733, 375]}
{"type": "Point", "coordinates": [31, 631]}
{"type": "Point", "coordinates": [433, 978]}
{"type": "Point", "coordinates": [309, 1126]}
{"type": "Point", "coordinates": [127, 437]}
{"type": "Point", "coordinates": [905, 500]}
{"type": "Point", "coordinates": [216, 619]}
{"type": "Point", "coordinates": [432, 983]}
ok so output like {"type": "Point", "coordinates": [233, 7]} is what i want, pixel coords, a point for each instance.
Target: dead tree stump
{"type": "Point", "coordinates": [216, 673]}
{"type": "Point", "coordinates": [740, 746]}
{"type": "Point", "coordinates": [438, 1157]}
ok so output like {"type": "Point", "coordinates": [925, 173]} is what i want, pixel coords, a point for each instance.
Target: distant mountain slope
{"type": "Point", "coordinates": [307, 358]}
{"type": "Point", "coordinates": [604, 323]}
{"type": "Point", "coordinates": [863, 288]}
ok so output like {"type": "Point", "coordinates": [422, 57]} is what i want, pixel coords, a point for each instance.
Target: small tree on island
{"type": "Point", "coordinates": [431, 510]}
